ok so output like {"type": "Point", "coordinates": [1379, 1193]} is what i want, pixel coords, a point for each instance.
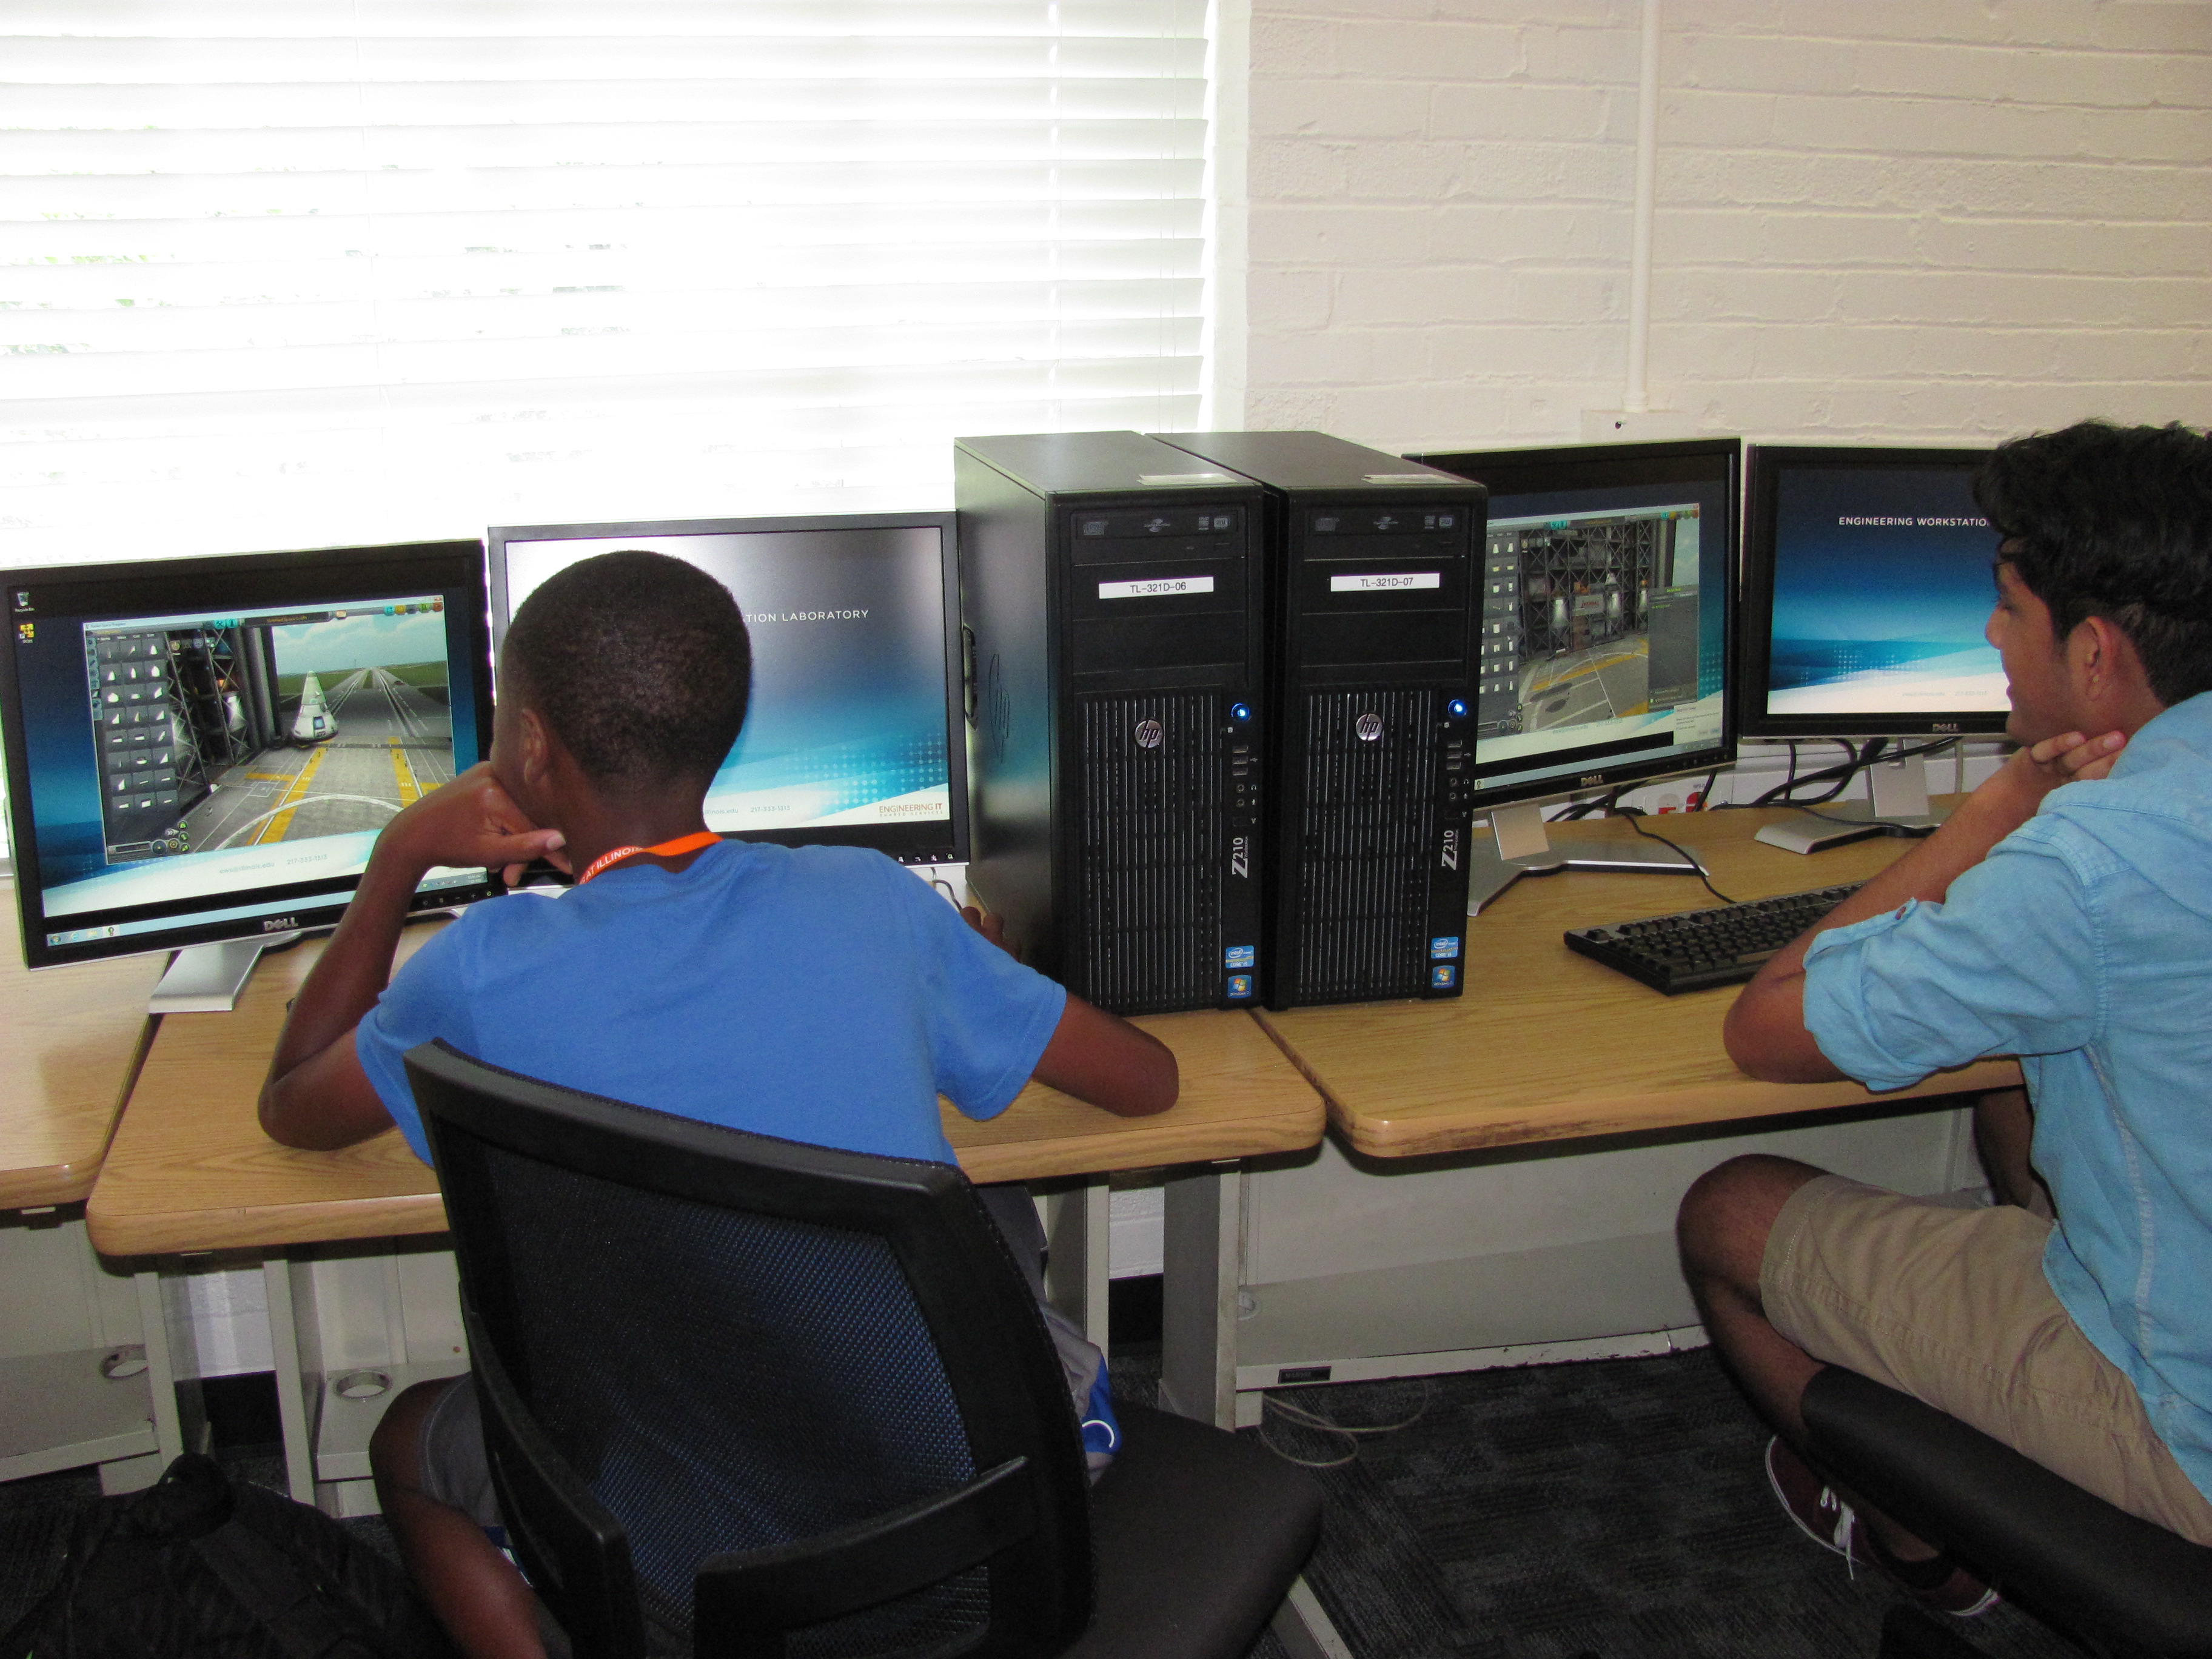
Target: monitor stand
{"type": "Point", "coordinates": [206, 979]}
{"type": "Point", "coordinates": [1897, 793]}
{"type": "Point", "coordinates": [1524, 848]}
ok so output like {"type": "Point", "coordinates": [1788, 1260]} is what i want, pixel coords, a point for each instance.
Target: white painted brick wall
{"type": "Point", "coordinates": [1944, 220]}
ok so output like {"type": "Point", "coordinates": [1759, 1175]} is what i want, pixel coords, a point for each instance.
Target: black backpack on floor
{"type": "Point", "coordinates": [196, 1565]}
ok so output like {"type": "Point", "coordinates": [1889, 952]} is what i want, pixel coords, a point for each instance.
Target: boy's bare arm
{"type": "Point", "coordinates": [1765, 1032]}
{"type": "Point", "coordinates": [1102, 1058]}
{"type": "Point", "coordinates": [317, 1094]}
{"type": "Point", "coordinates": [1095, 1055]}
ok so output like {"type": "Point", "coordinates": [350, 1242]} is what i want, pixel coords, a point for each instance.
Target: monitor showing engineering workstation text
{"type": "Point", "coordinates": [853, 733]}
{"type": "Point", "coordinates": [205, 749]}
{"type": "Point", "coordinates": [1867, 586]}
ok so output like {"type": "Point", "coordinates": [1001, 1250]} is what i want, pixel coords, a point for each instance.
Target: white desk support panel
{"type": "Point", "coordinates": [350, 1325]}
{"type": "Point", "coordinates": [74, 1382]}
{"type": "Point", "coordinates": [1355, 1270]}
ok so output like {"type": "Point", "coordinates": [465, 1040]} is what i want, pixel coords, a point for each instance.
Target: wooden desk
{"type": "Point", "coordinates": [70, 1039]}
{"type": "Point", "coordinates": [1546, 1045]}
{"type": "Point", "coordinates": [190, 1170]}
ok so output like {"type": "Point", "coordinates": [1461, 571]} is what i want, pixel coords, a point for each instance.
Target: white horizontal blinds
{"type": "Point", "coordinates": [297, 272]}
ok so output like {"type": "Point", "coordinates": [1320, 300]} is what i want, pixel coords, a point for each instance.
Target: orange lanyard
{"type": "Point", "coordinates": [667, 850]}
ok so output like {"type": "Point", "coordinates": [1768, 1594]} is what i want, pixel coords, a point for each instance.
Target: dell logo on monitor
{"type": "Point", "coordinates": [279, 924]}
{"type": "Point", "coordinates": [1592, 780]}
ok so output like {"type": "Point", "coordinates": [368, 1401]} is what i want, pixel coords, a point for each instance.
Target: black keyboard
{"type": "Point", "coordinates": [1698, 949]}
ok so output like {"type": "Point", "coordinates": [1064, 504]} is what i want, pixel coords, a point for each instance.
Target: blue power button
{"type": "Point", "coordinates": [1238, 711]}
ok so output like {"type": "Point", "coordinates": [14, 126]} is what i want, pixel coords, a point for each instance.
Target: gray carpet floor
{"type": "Point", "coordinates": [1608, 1510]}
{"type": "Point", "coordinates": [1613, 1509]}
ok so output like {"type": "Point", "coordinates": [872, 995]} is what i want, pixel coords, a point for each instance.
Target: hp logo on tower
{"type": "Point", "coordinates": [1369, 725]}
{"type": "Point", "coordinates": [1150, 734]}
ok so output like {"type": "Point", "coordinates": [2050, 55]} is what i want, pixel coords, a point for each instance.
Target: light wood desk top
{"type": "Point", "coordinates": [1546, 1045]}
{"type": "Point", "coordinates": [192, 1170]}
{"type": "Point", "coordinates": [70, 1039]}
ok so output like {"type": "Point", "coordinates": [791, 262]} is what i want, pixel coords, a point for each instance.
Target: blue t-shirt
{"type": "Point", "coordinates": [817, 993]}
{"type": "Point", "coordinates": [2083, 945]}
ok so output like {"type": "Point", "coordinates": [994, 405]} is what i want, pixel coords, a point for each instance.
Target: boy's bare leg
{"type": "Point", "coordinates": [1722, 1229]}
{"type": "Point", "coordinates": [479, 1597]}
{"type": "Point", "coordinates": [2004, 1126]}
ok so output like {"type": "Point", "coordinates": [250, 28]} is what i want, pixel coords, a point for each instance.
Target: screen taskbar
{"type": "Point", "coordinates": [437, 881]}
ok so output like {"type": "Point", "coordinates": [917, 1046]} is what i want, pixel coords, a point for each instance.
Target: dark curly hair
{"type": "Point", "coordinates": [639, 663]}
{"type": "Point", "coordinates": [2116, 522]}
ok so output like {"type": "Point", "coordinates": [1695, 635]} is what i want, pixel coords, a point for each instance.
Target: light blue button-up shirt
{"type": "Point", "coordinates": [2083, 943]}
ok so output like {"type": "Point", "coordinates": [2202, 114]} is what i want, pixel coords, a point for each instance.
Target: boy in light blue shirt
{"type": "Point", "coordinates": [2063, 913]}
{"type": "Point", "coordinates": [815, 993]}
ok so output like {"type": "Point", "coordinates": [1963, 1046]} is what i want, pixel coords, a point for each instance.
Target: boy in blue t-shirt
{"type": "Point", "coordinates": [816, 993]}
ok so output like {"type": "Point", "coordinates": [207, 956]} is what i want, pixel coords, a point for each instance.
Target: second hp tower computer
{"type": "Point", "coordinates": [1376, 601]}
{"type": "Point", "coordinates": [1111, 589]}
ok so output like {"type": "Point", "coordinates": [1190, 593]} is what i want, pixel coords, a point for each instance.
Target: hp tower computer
{"type": "Point", "coordinates": [1111, 589]}
{"type": "Point", "coordinates": [1375, 603]}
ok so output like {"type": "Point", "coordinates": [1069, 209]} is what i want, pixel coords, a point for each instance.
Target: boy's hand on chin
{"type": "Point", "coordinates": [469, 821]}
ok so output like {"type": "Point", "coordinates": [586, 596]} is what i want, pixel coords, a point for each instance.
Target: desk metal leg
{"type": "Point", "coordinates": [1079, 1227]}
{"type": "Point", "coordinates": [1201, 1276]}
{"type": "Point", "coordinates": [291, 1389]}
{"type": "Point", "coordinates": [1304, 1629]}
{"type": "Point", "coordinates": [160, 1366]}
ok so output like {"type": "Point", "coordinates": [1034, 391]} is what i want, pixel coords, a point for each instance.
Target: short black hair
{"type": "Point", "coordinates": [639, 663]}
{"type": "Point", "coordinates": [2112, 521]}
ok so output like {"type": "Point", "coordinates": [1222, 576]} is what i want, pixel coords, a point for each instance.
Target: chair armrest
{"type": "Point", "coordinates": [2044, 1540]}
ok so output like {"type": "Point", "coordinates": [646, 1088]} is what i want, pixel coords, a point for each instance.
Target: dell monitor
{"type": "Point", "coordinates": [854, 735]}
{"type": "Point", "coordinates": [1867, 584]}
{"type": "Point", "coordinates": [1607, 593]}
{"type": "Point", "coordinates": [202, 751]}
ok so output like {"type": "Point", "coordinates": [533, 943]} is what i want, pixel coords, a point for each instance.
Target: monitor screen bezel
{"type": "Point", "coordinates": [163, 586]}
{"type": "Point", "coordinates": [903, 842]}
{"type": "Point", "coordinates": [1764, 467]}
{"type": "Point", "coordinates": [1532, 472]}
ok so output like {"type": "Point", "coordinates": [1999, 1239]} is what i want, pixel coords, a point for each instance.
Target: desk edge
{"type": "Point", "coordinates": [264, 1226]}
{"type": "Point", "coordinates": [1382, 1136]}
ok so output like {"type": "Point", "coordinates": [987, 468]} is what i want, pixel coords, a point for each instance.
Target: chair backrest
{"type": "Point", "coordinates": [2119, 1583]}
{"type": "Point", "coordinates": [734, 1386]}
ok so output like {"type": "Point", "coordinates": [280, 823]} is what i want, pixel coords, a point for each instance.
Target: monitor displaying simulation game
{"type": "Point", "coordinates": [1607, 595]}
{"type": "Point", "coordinates": [205, 749]}
{"type": "Point", "coordinates": [854, 734]}
{"type": "Point", "coordinates": [1867, 586]}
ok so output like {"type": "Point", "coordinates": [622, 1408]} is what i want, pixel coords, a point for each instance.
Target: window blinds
{"type": "Point", "coordinates": [285, 273]}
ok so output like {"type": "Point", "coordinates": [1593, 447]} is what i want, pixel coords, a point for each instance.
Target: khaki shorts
{"type": "Point", "coordinates": [1951, 1306]}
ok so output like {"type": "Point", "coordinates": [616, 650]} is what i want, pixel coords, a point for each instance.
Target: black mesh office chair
{"type": "Point", "coordinates": [2123, 1586]}
{"type": "Point", "coordinates": [765, 1398]}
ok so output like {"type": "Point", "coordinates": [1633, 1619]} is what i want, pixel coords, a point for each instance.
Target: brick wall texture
{"type": "Point", "coordinates": [1878, 219]}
